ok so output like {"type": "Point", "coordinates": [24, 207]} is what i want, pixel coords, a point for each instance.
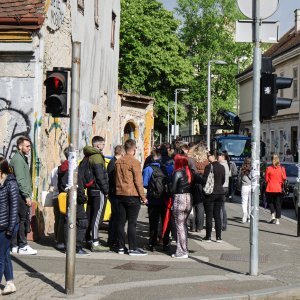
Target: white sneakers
{"type": "Point", "coordinates": [14, 250]}
{"type": "Point", "coordinates": [27, 250]}
{"type": "Point", "coordinates": [9, 288]}
{"type": "Point", "coordinates": [244, 218]}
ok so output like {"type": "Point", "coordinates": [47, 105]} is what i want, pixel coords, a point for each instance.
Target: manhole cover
{"type": "Point", "coordinates": [141, 267]}
{"type": "Point", "coordinates": [240, 257]}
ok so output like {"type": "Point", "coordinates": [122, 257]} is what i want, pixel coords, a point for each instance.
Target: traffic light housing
{"type": "Point", "coordinates": [269, 86]}
{"type": "Point", "coordinates": [57, 93]}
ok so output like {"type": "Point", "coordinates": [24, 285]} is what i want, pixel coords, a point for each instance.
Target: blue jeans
{"type": "Point", "coordinates": [6, 267]}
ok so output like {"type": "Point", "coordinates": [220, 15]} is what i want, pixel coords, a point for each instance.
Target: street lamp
{"type": "Point", "coordinates": [175, 113]}
{"type": "Point", "coordinates": [217, 62]}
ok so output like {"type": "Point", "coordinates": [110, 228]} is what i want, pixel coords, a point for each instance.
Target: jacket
{"type": "Point", "coordinates": [19, 164]}
{"type": "Point", "coordinates": [219, 177]}
{"type": "Point", "coordinates": [96, 159]}
{"type": "Point", "coordinates": [180, 184]}
{"type": "Point", "coordinates": [9, 202]}
{"type": "Point", "coordinates": [129, 180]}
{"type": "Point", "coordinates": [274, 179]}
{"type": "Point", "coordinates": [111, 176]}
{"type": "Point", "coordinates": [62, 176]}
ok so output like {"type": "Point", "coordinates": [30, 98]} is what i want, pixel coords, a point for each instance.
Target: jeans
{"type": "Point", "coordinates": [95, 213]}
{"type": "Point", "coordinates": [20, 240]}
{"type": "Point", "coordinates": [59, 223]}
{"type": "Point", "coordinates": [198, 219]}
{"type": "Point", "coordinates": [6, 267]}
{"type": "Point", "coordinates": [275, 201]}
{"type": "Point", "coordinates": [113, 221]}
{"type": "Point", "coordinates": [223, 210]}
{"type": "Point", "coordinates": [129, 208]}
{"type": "Point", "coordinates": [212, 206]}
{"type": "Point", "coordinates": [246, 200]}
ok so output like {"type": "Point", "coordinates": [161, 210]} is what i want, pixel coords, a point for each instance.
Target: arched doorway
{"type": "Point", "coordinates": [129, 131]}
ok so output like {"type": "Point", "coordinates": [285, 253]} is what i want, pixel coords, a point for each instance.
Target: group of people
{"type": "Point", "coordinates": [177, 180]}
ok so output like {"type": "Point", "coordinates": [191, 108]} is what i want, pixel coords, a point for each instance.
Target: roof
{"type": "Point", "coordinates": [22, 13]}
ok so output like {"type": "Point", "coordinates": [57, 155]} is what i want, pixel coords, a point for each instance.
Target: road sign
{"type": "Point", "coordinates": [267, 8]}
{"type": "Point", "coordinates": [245, 31]}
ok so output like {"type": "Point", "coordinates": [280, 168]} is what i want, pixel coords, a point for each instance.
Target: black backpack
{"type": "Point", "coordinates": [157, 186]}
{"type": "Point", "coordinates": [86, 177]}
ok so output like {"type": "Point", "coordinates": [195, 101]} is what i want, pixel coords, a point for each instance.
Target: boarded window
{"type": "Point", "coordinates": [113, 30]}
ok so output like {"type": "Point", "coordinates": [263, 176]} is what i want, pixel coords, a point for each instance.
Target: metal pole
{"type": "Point", "coordinates": [237, 89]}
{"type": "Point", "coordinates": [298, 225]}
{"type": "Point", "coordinates": [255, 147]}
{"type": "Point", "coordinates": [175, 115]}
{"type": "Point", "coordinates": [168, 123]}
{"type": "Point", "coordinates": [208, 109]}
{"type": "Point", "coordinates": [73, 170]}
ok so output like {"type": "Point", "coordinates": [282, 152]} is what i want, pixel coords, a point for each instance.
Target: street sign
{"type": "Point", "coordinates": [245, 31]}
{"type": "Point", "coordinates": [267, 8]}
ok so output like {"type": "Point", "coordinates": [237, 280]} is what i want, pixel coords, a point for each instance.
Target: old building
{"type": "Point", "coordinates": [281, 132]}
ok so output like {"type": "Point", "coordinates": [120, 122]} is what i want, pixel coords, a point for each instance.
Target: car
{"type": "Point", "coordinates": [291, 170]}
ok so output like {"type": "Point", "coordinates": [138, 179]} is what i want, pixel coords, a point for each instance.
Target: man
{"type": "Point", "coordinates": [222, 160]}
{"type": "Point", "coordinates": [97, 192]}
{"type": "Point", "coordinates": [130, 194]}
{"type": "Point", "coordinates": [113, 222]}
{"type": "Point", "coordinates": [19, 164]}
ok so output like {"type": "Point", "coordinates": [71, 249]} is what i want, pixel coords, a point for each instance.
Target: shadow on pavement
{"type": "Point", "coordinates": [35, 274]}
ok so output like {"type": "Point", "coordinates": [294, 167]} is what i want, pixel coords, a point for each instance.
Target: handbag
{"type": "Point", "coordinates": [285, 186]}
{"type": "Point", "coordinates": [209, 185]}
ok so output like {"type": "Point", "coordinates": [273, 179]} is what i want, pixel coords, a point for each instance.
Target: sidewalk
{"type": "Point", "coordinates": [213, 270]}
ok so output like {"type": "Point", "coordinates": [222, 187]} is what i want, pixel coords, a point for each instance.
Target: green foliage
{"type": "Point", "coordinates": [208, 32]}
{"type": "Point", "coordinates": [152, 58]}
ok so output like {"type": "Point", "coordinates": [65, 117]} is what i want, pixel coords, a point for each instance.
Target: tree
{"type": "Point", "coordinates": [208, 32]}
{"type": "Point", "coordinates": [152, 58]}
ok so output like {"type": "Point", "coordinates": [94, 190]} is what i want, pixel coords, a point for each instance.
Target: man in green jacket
{"type": "Point", "coordinates": [19, 164]}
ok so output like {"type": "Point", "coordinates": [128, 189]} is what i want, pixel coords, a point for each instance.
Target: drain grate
{"type": "Point", "coordinates": [241, 257]}
{"type": "Point", "coordinates": [141, 267]}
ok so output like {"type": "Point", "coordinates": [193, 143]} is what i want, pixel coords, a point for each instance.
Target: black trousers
{"type": "Point", "coordinates": [275, 202]}
{"type": "Point", "coordinates": [20, 240]}
{"type": "Point", "coordinates": [156, 213]}
{"type": "Point", "coordinates": [113, 221]}
{"type": "Point", "coordinates": [198, 219]}
{"type": "Point", "coordinates": [129, 208]}
{"type": "Point", "coordinates": [212, 207]}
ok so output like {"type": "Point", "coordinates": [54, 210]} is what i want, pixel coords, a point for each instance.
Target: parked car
{"type": "Point", "coordinates": [291, 174]}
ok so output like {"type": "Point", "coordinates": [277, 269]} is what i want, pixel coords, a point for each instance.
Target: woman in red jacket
{"type": "Point", "coordinates": [275, 176]}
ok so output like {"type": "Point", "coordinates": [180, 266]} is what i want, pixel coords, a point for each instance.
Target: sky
{"type": "Point", "coordinates": [285, 13]}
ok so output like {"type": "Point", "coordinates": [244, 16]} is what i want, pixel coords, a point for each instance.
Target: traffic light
{"type": "Point", "coordinates": [56, 93]}
{"type": "Point", "coordinates": [269, 86]}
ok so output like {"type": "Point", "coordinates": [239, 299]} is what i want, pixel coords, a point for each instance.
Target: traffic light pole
{"type": "Point", "coordinates": [255, 144]}
{"type": "Point", "coordinates": [73, 170]}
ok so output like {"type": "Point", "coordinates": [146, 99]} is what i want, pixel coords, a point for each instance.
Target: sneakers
{"type": "Point", "coordinates": [14, 250]}
{"type": "Point", "coordinates": [9, 288]}
{"type": "Point", "coordinates": [121, 251]}
{"type": "Point", "coordinates": [99, 248]}
{"type": "Point", "coordinates": [82, 252]}
{"type": "Point", "coordinates": [219, 240]}
{"type": "Point", "coordinates": [180, 256]}
{"type": "Point", "coordinates": [277, 222]}
{"type": "Point", "coordinates": [27, 250]}
{"type": "Point", "coordinates": [272, 221]}
{"type": "Point", "coordinates": [244, 219]}
{"type": "Point", "coordinates": [60, 246]}
{"type": "Point", "coordinates": [138, 252]}
{"type": "Point", "coordinates": [206, 239]}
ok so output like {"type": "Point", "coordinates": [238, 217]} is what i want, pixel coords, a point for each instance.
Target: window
{"type": "Point", "coordinates": [281, 90]}
{"type": "Point", "coordinates": [281, 141]}
{"type": "Point", "coordinates": [264, 137]}
{"type": "Point", "coordinates": [272, 142]}
{"type": "Point", "coordinates": [295, 82]}
{"type": "Point", "coordinates": [113, 30]}
{"type": "Point", "coordinates": [80, 5]}
{"type": "Point", "coordinates": [96, 13]}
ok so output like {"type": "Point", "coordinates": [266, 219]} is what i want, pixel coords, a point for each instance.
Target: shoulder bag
{"type": "Point", "coordinates": [209, 185]}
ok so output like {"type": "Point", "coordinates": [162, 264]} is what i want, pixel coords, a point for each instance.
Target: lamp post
{"type": "Point", "coordinates": [175, 109]}
{"type": "Point", "coordinates": [217, 62]}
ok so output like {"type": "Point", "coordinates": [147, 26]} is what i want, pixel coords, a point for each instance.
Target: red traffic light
{"type": "Point", "coordinates": [56, 82]}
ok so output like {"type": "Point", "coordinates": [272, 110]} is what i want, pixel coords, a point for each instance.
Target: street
{"type": "Point", "coordinates": [213, 269]}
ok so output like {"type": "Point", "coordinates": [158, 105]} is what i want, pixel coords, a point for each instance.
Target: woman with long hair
{"type": "Point", "coordinates": [275, 176]}
{"type": "Point", "coordinates": [9, 199]}
{"type": "Point", "coordinates": [198, 153]}
{"type": "Point", "coordinates": [246, 189]}
{"type": "Point", "coordinates": [182, 202]}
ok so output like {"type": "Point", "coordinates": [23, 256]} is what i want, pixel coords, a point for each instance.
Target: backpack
{"type": "Point", "coordinates": [157, 186]}
{"type": "Point", "coordinates": [86, 176]}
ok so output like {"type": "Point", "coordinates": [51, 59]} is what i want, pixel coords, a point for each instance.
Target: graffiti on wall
{"type": "Point", "coordinates": [17, 124]}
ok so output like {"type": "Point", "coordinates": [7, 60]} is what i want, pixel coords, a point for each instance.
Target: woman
{"type": "Point", "coordinates": [246, 189]}
{"type": "Point", "coordinates": [213, 202]}
{"type": "Point", "coordinates": [275, 176]}
{"type": "Point", "coordinates": [9, 199]}
{"type": "Point", "coordinates": [182, 203]}
{"type": "Point", "coordinates": [198, 153]}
